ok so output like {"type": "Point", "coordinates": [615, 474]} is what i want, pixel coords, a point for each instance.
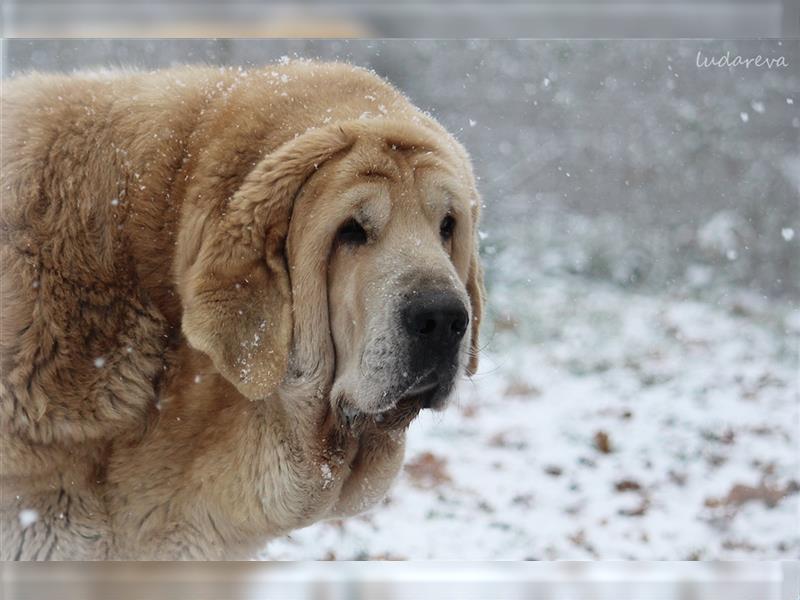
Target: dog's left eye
{"type": "Point", "coordinates": [352, 233]}
{"type": "Point", "coordinates": [447, 227]}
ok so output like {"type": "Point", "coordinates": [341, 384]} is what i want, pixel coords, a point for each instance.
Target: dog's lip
{"type": "Point", "coordinates": [423, 384]}
{"type": "Point", "coordinates": [424, 390]}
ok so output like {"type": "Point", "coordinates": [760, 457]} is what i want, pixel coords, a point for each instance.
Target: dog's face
{"type": "Point", "coordinates": [383, 288]}
{"type": "Point", "coordinates": [398, 303]}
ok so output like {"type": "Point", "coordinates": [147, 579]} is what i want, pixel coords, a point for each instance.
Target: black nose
{"type": "Point", "coordinates": [435, 320]}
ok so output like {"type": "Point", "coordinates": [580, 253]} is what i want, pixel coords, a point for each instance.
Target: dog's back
{"type": "Point", "coordinates": [81, 345]}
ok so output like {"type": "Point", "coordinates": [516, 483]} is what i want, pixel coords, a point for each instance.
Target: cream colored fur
{"type": "Point", "coordinates": [167, 348]}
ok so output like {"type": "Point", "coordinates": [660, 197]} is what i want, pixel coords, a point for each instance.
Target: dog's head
{"type": "Point", "coordinates": [347, 256]}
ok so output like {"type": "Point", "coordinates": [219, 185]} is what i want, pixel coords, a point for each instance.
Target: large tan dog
{"type": "Point", "coordinates": [225, 294]}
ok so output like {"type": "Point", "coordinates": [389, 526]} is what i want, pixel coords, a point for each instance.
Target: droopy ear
{"type": "Point", "coordinates": [236, 293]}
{"type": "Point", "coordinates": [476, 293]}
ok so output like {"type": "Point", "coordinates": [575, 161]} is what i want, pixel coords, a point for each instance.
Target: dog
{"type": "Point", "coordinates": [225, 295]}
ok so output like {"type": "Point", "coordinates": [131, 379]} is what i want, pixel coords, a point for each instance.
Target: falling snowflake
{"type": "Point", "coordinates": [28, 517]}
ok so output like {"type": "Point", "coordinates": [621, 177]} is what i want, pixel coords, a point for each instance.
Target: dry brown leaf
{"type": "Point", "coordinates": [520, 388]}
{"type": "Point", "coordinates": [428, 471]}
{"type": "Point", "coordinates": [602, 442]}
{"type": "Point", "coordinates": [627, 485]}
{"type": "Point", "coordinates": [579, 539]}
{"type": "Point", "coordinates": [678, 478]}
{"type": "Point", "coordinates": [507, 439]}
{"type": "Point", "coordinates": [525, 500]}
{"type": "Point", "coordinates": [553, 470]}
{"type": "Point", "coordinates": [470, 410]}
{"type": "Point", "coordinates": [741, 494]}
{"type": "Point", "coordinates": [727, 437]}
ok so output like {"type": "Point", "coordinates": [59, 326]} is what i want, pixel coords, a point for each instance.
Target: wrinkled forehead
{"type": "Point", "coordinates": [379, 178]}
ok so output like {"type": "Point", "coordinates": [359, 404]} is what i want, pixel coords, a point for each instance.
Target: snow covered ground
{"type": "Point", "coordinates": [603, 423]}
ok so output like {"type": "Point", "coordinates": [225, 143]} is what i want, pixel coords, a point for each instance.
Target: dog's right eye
{"type": "Point", "coordinates": [352, 233]}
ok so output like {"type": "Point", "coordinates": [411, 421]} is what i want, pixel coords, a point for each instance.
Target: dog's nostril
{"type": "Point", "coordinates": [436, 318]}
{"type": "Point", "coordinates": [429, 326]}
{"type": "Point", "coordinates": [459, 325]}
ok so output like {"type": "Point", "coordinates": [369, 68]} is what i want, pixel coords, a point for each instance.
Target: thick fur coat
{"type": "Point", "coordinates": [176, 316]}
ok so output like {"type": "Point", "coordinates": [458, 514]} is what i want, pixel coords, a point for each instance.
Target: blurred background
{"type": "Point", "coordinates": [419, 19]}
{"type": "Point", "coordinates": [403, 581]}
